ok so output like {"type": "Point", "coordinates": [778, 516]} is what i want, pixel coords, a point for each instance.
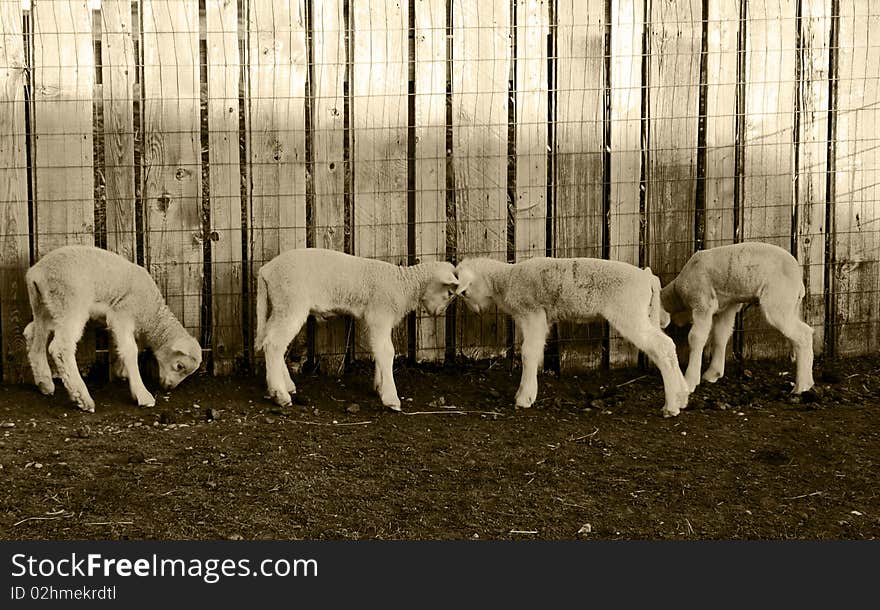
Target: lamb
{"type": "Point", "coordinates": [325, 283]}
{"type": "Point", "coordinates": [73, 283]}
{"type": "Point", "coordinates": [715, 284]}
{"type": "Point", "coordinates": [540, 291]}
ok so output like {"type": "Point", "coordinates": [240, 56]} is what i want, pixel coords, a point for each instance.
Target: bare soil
{"type": "Point", "coordinates": [215, 459]}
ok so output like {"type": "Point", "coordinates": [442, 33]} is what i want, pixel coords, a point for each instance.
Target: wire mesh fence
{"type": "Point", "coordinates": [200, 138]}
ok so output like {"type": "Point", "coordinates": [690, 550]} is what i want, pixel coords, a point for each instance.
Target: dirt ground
{"type": "Point", "coordinates": [593, 459]}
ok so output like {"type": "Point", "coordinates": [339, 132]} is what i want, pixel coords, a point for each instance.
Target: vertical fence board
{"type": "Point", "coordinates": [532, 26]}
{"type": "Point", "coordinates": [64, 79]}
{"type": "Point", "coordinates": [277, 131]}
{"type": "Point", "coordinates": [579, 219]}
{"type": "Point", "coordinates": [172, 159]}
{"type": "Point", "coordinates": [481, 52]}
{"type": "Point", "coordinates": [627, 23]}
{"type": "Point", "coordinates": [674, 108]}
{"type": "Point", "coordinates": [812, 162]}
{"type": "Point", "coordinates": [64, 74]}
{"type": "Point", "coordinates": [721, 56]}
{"type": "Point", "coordinates": [430, 159]}
{"type": "Point", "coordinates": [768, 193]}
{"type": "Point", "coordinates": [857, 187]}
{"type": "Point", "coordinates": [379, 134]}
{"type": "Point", "coordinates": [118, 77]}
{"type": "Point", "coordinates": [328, 154]}
{"type": "Point", "coordinates": [14, 248]}
{"type": "Point", "coordinates": [225, 183]}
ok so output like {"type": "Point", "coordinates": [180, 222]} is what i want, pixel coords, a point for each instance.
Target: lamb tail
{"type": "Point", "coordinates": [655, 307]}
{"type": "Point", "coordinates": [262, 307]}
{"type": "Point", "coordinates": [33, 279]}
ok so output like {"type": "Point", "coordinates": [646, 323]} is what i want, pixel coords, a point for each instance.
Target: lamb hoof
{"type": "Point", "coordinates": [280, 398]}
{"type": "Point", "coordinates": [47, 388]}
{"type": "Point", "coordinates": [395, 407]}
{"type": "Point", "coordinates": [146, 401]}
{"type": "Point", "coordinates": [690, 386]}
{"type": "Point", "coordinates": [86, 404]}
{"type": "Point", "coordinates": [667, 412]}
{"type": "Point", "coordinates": [712, 376]}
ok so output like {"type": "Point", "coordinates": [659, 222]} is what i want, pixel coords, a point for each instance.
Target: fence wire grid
{"type": "Point", "coordinates": [201, 138]}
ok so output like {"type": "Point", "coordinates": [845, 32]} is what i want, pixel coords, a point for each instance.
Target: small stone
{"type": "Point", "coordinates": [196, 406]}
{"type": "Point", "coordinates": [155, 424]}
{"type": "Point", "coordinates": [437, 402]}
{"type": "Point", "coordinates": [235, 537]}
{"type": "Point", "coordinates": [724, 406]}
{"type": "Point", "coordinates": [56, 453]}
{"type": "Point", "coordinates": [315, 412]}
{"type": "Point", "coordinates": [212, 414]}
{"type": "Point", "coordinates": [269, 420]}
{"type": "Point", "coordinates": [84, 432]}
{"type": "Point", "coordinates": [38, 465]}
{"type": "Point", "coordinates": [586, 528]}
{"type": "Point", "coordinates": [353, 408]}
{"type": "Point", "coordinates": [7, 424]}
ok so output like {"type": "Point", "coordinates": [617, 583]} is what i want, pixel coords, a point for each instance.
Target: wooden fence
{"type": "Point", "coordinates": [201, 138]}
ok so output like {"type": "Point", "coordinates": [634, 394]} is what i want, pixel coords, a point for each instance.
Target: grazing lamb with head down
{"type": "Point", "coordinates": [540, 291]}
{"type": "Point", "coordinates": [715, 284]}
{"type": "Point", "coordinates": [71, 284]}
{"type": "Point", "coordinates": [325, 283]}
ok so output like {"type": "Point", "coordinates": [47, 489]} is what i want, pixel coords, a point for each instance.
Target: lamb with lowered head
{"type": "Point", "coordinates": [715, 284]}
{"type": "Point", "coordinates": [325, 283]}
{"type": "Point", "coordinates": [72, 284]}
{"type": "Point", "coordinates": [540, 291]}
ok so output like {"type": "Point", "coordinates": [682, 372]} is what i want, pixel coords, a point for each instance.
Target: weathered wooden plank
{"type": "Point", "coordinates": [14, 249]}
{"type": "Point", "coordinates": [63, 174]}
{"type": "Point", "coordinates": [278, 65]}
{"type": "Point", "coordinates": [430, 159]}
{"type": "Point", "coordinates": [328, 154]}
{"type": "Point", "coordinates": [64, 73]}
{"type": "Point", "coordinates": [118, 77]}
{"type": "Point", "coordinates": [768, 193]}
{"type": "Point", "coordinates": [223, 71]}
{"type": "Point", "coordinates": [675, 39]}
{"type": "Point", "coordinates": [532, 27]}
{"type": "Point", "coordinates": [172, 159]}
{"type": "Point", "coordinates": [579, 220]}
{"type": "Point", "coordinates": [627, 22]}
{"type": "Point", "coordinates": [481, 55]}
{"type": "Point", "coordinates": [812, 161]}
{"type": "Point", "coordinates": [857, 184]}
{"type": "Point", "coordinates": [721, 58]}
{"type": "Point", "coordinates": [379, 121]}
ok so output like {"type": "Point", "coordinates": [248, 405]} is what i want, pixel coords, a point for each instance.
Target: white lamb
{"type": "Point", "coordinates": [325, 283]}
{"type": "Point", "coordinates": [71, 284]}
{"type": "Point", "coordinates": [715, 284]}
{"type": "Point", "coordinates": [540, 291]}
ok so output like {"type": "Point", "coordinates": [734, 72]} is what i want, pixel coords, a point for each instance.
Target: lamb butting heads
{"type": "Point", "coordinates": [325, 283]}
{"type": "Point", "coordinates": [540, 291]}
{"type": "Point", "coordinates": [715, 284]}
{"type": "Point", "coordinates": [71, 284]}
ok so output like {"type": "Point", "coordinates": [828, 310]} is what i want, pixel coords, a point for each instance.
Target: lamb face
{"type": "Point", "coordinates": [473, 288]}
{"type": "Point", "coordinates": [177, 360]}
{"type": "Point", "coordinates": [440, 290]}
